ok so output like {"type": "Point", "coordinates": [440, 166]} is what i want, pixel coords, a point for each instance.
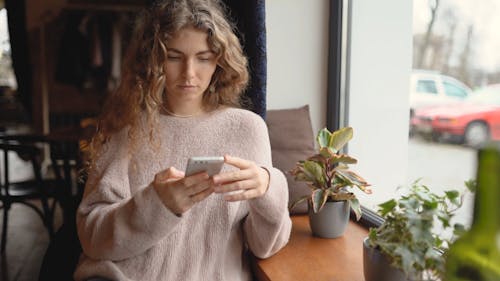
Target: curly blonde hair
{"type": "Point", "coordinates": [142, 85]}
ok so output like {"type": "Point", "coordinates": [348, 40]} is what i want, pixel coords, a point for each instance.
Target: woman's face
{"type": "Point", "coordinates": [189, 66]}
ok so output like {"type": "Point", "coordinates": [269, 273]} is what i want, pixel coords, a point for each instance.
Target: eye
{"type": "Point", "coordinates": [173, 58]}
{"type": "Point", "coordinates": [204, 58]}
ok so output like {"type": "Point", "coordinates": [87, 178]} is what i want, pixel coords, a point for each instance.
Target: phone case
{"type": "Point", "coordinates": [210, 164]}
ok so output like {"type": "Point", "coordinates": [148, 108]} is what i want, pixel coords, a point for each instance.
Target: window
{"type": "Point", "coordinates": [454, 39]}
{"type": "Point", "coordinates": [459, 45]}
{"type": "Point", "coordinates": [426, 87]}
{"type": "Point", "coordinates": [453, 90]}
{"type": "Point", "coordinates": [11, 110]}
{"type": "Point", "coordinates": [7, 78]}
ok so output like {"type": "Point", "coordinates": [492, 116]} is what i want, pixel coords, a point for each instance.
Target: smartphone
{"type": "Point", "coordinates": [210, 164]}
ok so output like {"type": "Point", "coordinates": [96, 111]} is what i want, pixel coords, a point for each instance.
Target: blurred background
{"type": "Point", "coordinates": [454, 91]}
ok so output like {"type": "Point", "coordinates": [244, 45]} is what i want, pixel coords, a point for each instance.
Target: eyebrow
{"type": "Point", "coordinates": [198, 53]}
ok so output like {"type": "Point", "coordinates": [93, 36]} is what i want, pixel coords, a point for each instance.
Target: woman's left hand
{"type": "Point", "coordinates": [250, 179]}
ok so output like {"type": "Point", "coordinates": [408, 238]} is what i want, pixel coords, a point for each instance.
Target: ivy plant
{"type": "Point", "coordinates": [412, 236]}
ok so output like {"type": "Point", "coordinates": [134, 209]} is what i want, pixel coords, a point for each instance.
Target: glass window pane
{"type": "Point", "coordinates": [454, 90]}
{"type": "Point", "coordinates": [455, 41]}
{"type": "Point", "coordinates": [426, 86]}
{"type": "Point", "coordinates": [454, 48]}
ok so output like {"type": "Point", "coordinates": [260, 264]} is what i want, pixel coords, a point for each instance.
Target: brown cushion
{"type": "Point", "coordinates": [292, 139]}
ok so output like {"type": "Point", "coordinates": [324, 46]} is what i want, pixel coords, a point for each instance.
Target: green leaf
{"type": "Point", "coordinates": [423, 195]}
{"type": "Point", "coordinates": [352, 179]}
{"type": "Point", "coordinates": [340, 137]}
{"type": "Point", "coordinates": [407, 236]}
{"type": "Point", "coordinates": [318, 199]}
{"type": "Point", "coordinates": [459, 229]}
{"type": "Point", "coordinates": [372, 236]}
{"type": "Point", "coordinates": [343, 158]}
{"type": "Point", "coordinates": [327, 152]}
{"type": "Point", "coordinates": [431, 205]}
{"type": "Point", "coordinates": [323, 137]}
{"type": "Point", "coordinates": [407, 257]}
{"type": "Point", "coordinates": [471, 185]}
{"type": "Point", "coordinates": [340, 196]}
{"type": "Point", "coordinates": [356, 207]}
{"type": "Point", "coordinates": [386, 207]}
{"type": "Point", "coordinates": [320, 158]}
{"type": "Point", "coordinates": [298, 201]}
{"type": "Point", "coordinates": [453, 196]}
{"type": "Point", "coordinates": [315, 172]}
{"type": "Point", "coordinates": [301, 176]}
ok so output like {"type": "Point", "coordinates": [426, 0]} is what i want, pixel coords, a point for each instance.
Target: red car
{"type": "Point", "coordinates": [474, 121]}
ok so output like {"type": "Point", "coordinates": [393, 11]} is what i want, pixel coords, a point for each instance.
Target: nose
{"type": "Point", "coordinates": [189, 69]}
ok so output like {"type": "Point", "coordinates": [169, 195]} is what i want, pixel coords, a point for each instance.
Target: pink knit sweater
{"type": "Point", "coordinates": [128, 234]}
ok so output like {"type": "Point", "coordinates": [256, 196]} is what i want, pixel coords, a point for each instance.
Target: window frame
{"type": "Point", "coordinates": [338, 48]}
{"type": "Point", "coordinates": [338, 82]}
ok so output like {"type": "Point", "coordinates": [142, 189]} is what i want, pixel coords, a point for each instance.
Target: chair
{"type": "Point", "coordinates": [63, 252]}
{"type": "Point", "coordinates": [25, 192]}
{"type": "Point", "coordinates": [66, 164]}
{"type": "Point", "coordinates": [63, 164]}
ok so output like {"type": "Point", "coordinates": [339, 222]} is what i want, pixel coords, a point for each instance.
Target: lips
{"type": "Point", "coordinates": [187, 86]}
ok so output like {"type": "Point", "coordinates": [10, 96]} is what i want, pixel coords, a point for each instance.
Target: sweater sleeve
{"type": "Point", "coordinates": [267, 227]}
{"type": "Point", "coordinates": [112, 223]}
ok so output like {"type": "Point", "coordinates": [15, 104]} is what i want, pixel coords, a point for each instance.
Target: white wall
{"type": "Point", "coordinates": [381, 46]}
{"type": "Point", "coordinates": [297, 52]}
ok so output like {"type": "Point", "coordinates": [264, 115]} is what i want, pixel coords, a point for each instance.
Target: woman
{"type": "Point", "coordinates": [141, 218]}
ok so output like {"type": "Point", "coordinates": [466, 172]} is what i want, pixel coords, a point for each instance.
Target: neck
{"type": "Point", "coordinates": [182, 115]}
{"type": "Point", "coordinates": [183, 110]}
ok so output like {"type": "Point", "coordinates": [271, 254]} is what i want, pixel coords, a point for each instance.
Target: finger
{"type": "Point", "coordinates": [196, 178]}
{"type": "Point", "coordinates": [176, 173]}
{"type": "Point", "coordinates": [231, 176]}
{"type": "Point", "coordinates": [237, 162]}
{"type": "Point", "coordinates": [199, 187]}
{"type": "Point", "coordinates": [169, 173]}
{"type": "Point", "coordinates": [237, 185]}
{"type": "Point", "coordinates": [240, 196]}
{"type": "Point", "coordinates": [202, 195]}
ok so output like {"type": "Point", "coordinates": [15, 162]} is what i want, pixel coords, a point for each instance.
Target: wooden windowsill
{"type": "Point", "coordinates": [310, 258]}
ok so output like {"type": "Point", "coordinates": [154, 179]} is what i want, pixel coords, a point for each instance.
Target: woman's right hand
{"type": "Point", "coordinates": [180, 193]}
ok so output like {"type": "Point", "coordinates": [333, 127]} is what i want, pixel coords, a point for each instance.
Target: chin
{"type": "Point", "coordinates": [191, 96]}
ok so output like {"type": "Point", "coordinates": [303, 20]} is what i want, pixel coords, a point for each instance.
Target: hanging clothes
{"type": "Point", "coordinates": [85, 52]}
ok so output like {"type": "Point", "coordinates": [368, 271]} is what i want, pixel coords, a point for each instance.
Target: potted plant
{"type": "Point", "coordinates": [329, 177]}
{"type": "Point", "coordinates": [411, 242]}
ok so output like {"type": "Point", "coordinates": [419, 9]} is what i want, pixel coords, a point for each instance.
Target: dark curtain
{"type": "Point", "coordinates": [250, 20]}
{"type": "Point", "coordinates": [16, 20]}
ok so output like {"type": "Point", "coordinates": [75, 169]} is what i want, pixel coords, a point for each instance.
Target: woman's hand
{"type": "Point", "coordinates": [180, 193]}
{"type": "Point", "coordinates": [250, 179]}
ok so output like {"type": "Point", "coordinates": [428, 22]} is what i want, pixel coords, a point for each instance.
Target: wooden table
{"type": "Point", "coordinates": [316, 259]}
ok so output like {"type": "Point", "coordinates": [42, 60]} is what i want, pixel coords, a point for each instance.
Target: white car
{"type": "Point", "coordinates": [430, 88]}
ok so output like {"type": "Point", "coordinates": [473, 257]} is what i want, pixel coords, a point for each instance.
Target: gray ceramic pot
{"type": "Point", "coordinates": [331, 221]}
{"type": "Point", "coordinates": [376, 267]}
